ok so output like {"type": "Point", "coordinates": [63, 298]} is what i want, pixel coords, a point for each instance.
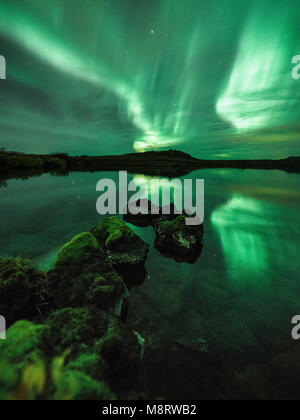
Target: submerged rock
{"type": "Point", "coordinates": [148, 213]}
{"type": "Point", "coordinates": [82, 275]}
{"type": "Point", "coordinates": [23, 290]}
{"type": "Point", "coordinates": [126, 251]}
{"type": "Point", "coordinates": [176, 240]}
{"type": "Point", "coordinates": [123, 350]}
{"type": "Point", "coordinates": [198, 345]}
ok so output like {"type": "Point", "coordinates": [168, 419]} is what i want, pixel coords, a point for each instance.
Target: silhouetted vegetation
{"type": "Point", "coordinates": [170, 163]}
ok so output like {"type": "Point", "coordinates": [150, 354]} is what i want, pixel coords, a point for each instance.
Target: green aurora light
{"type": "Point", "coordinates": [108, 76]}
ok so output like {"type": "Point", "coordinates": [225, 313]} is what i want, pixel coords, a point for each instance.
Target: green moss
{"type": "Point", "coordinates": [90, 364]}
{"type": "Point", "coordinates": [26, 344]}
{"type": "Point", "coordinates": [77, 251]}
{"type": "Point", "coordinates": [121, 349]}
{"type": "Point", "coordinates": [74, 385]}
{"type": "Point", "coordinates": [172, 225]}
{"type": "Point", "coordinates": [177, 240]}
{"type": "Point", "coordinates": [23, 290]}
{"type": "Point", "coordinates": [114, 234]}
{"type": "Point", "coordinates": [22, 338]}
{"type": "Point", "coordinates": [125, 250]}
{"type": "Point", "coordinates": [76, 329]}
{"type": "Point", "coordinates": [82, 275]}
{"type": "Point", "coordinates": [106, 292]}
{"type": "Point", "coordinates": [9, 378]}
{"type": "Point", "coordinates": [29, 371]}
{"type": "Point", "coordinates": [109, 346]}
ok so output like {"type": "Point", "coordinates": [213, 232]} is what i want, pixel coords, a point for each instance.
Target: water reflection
{"type": "Point", "coordinates": [241, 224]}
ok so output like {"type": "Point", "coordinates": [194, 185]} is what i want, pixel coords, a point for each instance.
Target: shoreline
{"type": "Point", "coordinates": [170, 164]}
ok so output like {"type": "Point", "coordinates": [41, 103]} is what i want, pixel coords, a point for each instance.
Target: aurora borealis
{"type": "Point", "coordinates": [109, 290]}
{"type": "Point", "coordinates": [113, 76]}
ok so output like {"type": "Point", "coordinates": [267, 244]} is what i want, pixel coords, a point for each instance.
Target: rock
{"type": "Point", "coordinates": [33, 366]}
{"type": "Point", "coordinates": [23, 292]}
{"type": "Point", "coordinates": [176, 240]}
{"type": "Point", "coordinates": [27, 345]}
{"type": "Point", "coordinates": [82, 275]}
{"type": "Point", "coordinates": [80, 250]}
{"type": "Point", "coordinates": [76, 386]}
{"type": "Point", "coordinates": [76, 329]}
{"type": "Point", "coordinates": [126, 251]}
{"type": "Point", "coordinates": [149, 213]}
{"type": "Point", "coordinates": [199, 345]}
{"type": "Point", "coordinates": [98, 345]}
{"type": "Point", "coordinates": [123, 350]}
{"type": "Point", "coordinates": [90, 364]}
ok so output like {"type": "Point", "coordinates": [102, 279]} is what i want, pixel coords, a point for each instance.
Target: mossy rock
{"type": "Point", "coordinates": [82, 275]}
{"type": "Point", "coordinates": [110, 344]}
{"type": "Point", "coordinates": [76, 386]}
{"type": "Point", "coordinates": [23, 290]}
{"type": "Point", "coordinates": [23, 355]}
{"type": "Point", "coordinates": [76, 329]}
{"type": "Point", "coordinates": [108, 293]}
{"type": "Point", "coordinates": [149, 213]}
{"type": "Point", "coordinates": [90, 364]}
{"type": "Point", "coordinates": [27, 358]}
{"type": "Point", "coordinates": [112, 233]}
{"type": "Point", "coordinates": [176, 240]}
{"type": "Point", "coordinates": [78, 251]}
{"type": "Point", "coordinates": [121, 349]}
{"type": "Point", "coordinates": [126, 250]}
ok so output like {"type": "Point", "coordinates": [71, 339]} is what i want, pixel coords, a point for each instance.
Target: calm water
{"type": "Point", "coordinates": [241, 294]}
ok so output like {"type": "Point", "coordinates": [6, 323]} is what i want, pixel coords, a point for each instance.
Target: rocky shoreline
{"type": "Point", "coordinates": [67, 334]}
{"type": "Point", "coordinates": [71, 335]}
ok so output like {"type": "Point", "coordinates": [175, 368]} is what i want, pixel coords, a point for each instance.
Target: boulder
{"type": "Point", "coordinates": [148, 213]}
{"type": "Point", "coordinates": [23, 293]}
{"type": "Point", "coordinates": [176, 240]}
{"type": "Point", "coordinates": [126, 251]}
{"type": "Point", "coordinates": [76, 386]}
{"type": "Point", "coordinates": [32, 368]}
{"type": "Point", "coordinates": [98, 345]}
{"type": "Point", "coordinates": [25, 350]}
{"type": "Point", "coordinates": [82, 275]}
{"type": "Point", "coordinates": [123, 350]}
{"type": "Point", "coordinates": [76, 329]}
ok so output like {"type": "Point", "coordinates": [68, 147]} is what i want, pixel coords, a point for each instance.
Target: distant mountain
{"type": "Point", "coordinates": [297, 158]}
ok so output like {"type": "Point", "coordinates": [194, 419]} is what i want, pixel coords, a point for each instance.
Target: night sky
{"type": "Point", "coordinates": [211, 78]}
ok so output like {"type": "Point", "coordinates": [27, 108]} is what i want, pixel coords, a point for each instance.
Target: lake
{"type": "Point", "coordinates": [237, 300]}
